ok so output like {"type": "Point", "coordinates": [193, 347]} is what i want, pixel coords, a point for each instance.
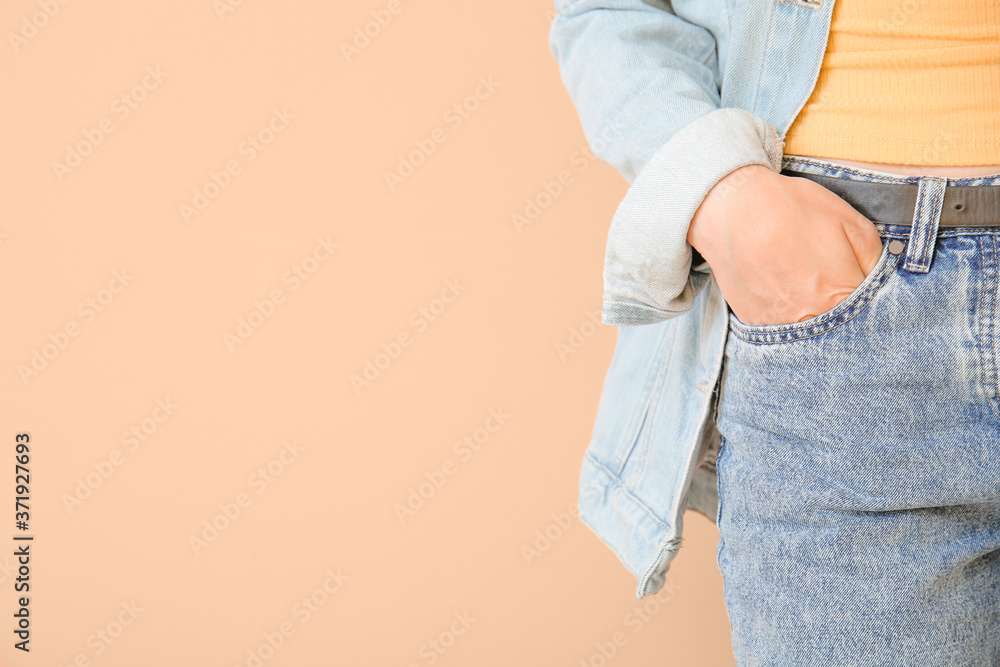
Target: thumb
{"type": "Point", "coordinates": [865, 240]}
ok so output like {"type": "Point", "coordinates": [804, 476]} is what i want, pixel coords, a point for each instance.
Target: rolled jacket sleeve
{"type": "Point", "coordinates": [645, 83]}
{"type": "Point", "coordinates": [647, 265]}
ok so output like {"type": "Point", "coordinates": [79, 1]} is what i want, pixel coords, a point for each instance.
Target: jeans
{"type": "Point", "coordinates": [859, 462]}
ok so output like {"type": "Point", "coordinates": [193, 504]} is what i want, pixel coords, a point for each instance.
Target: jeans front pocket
{"type": "Point", "coordinates": [824, 322]}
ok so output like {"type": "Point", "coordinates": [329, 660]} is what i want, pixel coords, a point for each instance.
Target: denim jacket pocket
{"type": "Point", "coordinates": [843, 312]}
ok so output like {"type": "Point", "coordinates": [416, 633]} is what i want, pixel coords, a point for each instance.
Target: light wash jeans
{"type": "Point", "coordinates": [859, 468]}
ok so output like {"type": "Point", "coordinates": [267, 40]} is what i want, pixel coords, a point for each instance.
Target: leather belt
{"type": "Point", "coordinates": [893, 203]}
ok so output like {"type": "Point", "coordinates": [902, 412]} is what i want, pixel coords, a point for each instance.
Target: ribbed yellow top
{"type": "Point", "coordinates": [906, 82]}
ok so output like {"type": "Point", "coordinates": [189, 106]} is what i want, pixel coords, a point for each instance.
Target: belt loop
{"type": "Point", "coordinates": [926, 218]}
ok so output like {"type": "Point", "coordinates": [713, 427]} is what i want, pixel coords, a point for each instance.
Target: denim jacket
{"type": "Point", "coordinates": [675, 94]}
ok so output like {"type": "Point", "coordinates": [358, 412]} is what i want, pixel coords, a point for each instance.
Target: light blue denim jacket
{"type": "Point", "coordinates": [674, 95]}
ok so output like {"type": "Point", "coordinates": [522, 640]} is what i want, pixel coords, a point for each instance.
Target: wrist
{"type": "Point", "coordinates": [709, 219]}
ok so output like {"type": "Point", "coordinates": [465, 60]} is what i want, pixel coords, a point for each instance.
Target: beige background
{"type": "Point", "coordinates": [130, 310]}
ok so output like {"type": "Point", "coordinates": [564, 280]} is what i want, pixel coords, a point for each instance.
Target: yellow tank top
{"type": "Point", "coordinates": [906, 82]}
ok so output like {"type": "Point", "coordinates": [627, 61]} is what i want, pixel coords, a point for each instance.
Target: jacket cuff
{"type": "Point", "coordinates": [647, 268]}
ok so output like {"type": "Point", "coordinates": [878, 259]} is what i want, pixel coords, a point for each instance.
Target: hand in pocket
{"type": "Point", "coordinates": [783, 249]}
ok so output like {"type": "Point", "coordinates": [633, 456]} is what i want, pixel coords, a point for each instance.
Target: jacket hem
{"type": "Point", "coordinates": [619, 519]}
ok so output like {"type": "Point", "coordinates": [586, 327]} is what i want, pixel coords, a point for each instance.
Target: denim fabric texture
{"type": "Point", "coordinates": [674, 95]}
{"type": "Point", "coordinates": [859, 471]}
{"type": "Point", "coordinates": [867, 434]}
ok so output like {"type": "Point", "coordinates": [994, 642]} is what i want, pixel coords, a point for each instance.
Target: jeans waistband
{"type": "Point", "coordinates": [901, 200]}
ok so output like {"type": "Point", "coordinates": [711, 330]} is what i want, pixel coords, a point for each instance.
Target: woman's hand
{"type": "Point", "coordinates": [782, 249]}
